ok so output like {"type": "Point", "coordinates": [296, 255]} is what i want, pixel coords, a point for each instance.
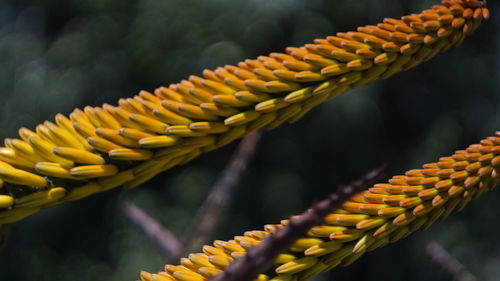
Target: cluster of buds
{"type": "Point", "coordinates": [383, 214]}
{"type": "Point", "coordinates": [100, 148]}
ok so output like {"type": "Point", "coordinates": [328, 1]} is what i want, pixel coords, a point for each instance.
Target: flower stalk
{"type": "Point", "coordinates": [382, 214]}
{"type": "Point", "coordinates": [101, 148]}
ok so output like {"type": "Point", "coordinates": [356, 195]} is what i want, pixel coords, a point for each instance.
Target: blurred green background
{"type": "Point", "coordinates": [58, 55]}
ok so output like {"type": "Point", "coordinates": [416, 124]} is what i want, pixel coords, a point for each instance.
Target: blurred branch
{"type": "Point", "coordinates": [260, 257]}
{"type": "Point", "coordinates": [168, 241]}
{"type": "Point", "coordinates": [5, 230]}
{"type": "Point", "coordinates": [448, 262]}
{"type": "Point", "coordinates": [209, 214]}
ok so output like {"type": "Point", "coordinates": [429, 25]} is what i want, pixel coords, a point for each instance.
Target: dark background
{"type": "Point", "coordinates": [57, 55]}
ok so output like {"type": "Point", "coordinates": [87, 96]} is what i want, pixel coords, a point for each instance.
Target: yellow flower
{"type": "Point", "coordinates": [105, 147]}
{"type": "Point", "coordinates": [380, 215]}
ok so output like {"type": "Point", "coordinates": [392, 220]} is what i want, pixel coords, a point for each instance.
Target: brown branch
{"type": "Point", "coordinates": [448, 262]}
{"type": "Point", "coordinates": [5, 230]}
{"type": "Point", "coordinates": [259, 258]}
{"type": "Point", "coordinates": [209, 214]}
{"type": "Point", "coordinates": [167, 241]}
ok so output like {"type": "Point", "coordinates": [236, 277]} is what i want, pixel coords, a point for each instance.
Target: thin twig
{"type": "Point", "coordinates": [209, 214]}
{"type": "Point", "coordinates": [260, 257]}
{"type": "Point", "coordinates": [168, 241]}
{"type": "Point", "coordinates": [448, 262]}
{"type": "Point", "coordinates": [5, 230]}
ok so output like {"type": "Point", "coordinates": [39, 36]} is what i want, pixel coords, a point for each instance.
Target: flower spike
{"type": "Point", "coordinates": [382, 214]}
{"type": "Point", "coordinates": [100, 148]}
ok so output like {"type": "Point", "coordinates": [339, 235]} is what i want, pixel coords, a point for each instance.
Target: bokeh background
{"type": "Point", "coordinates": [58, 55]}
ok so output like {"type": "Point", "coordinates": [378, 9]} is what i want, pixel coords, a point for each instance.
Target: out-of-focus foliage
{"type": "Point", "coordinates": [57, 55]}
